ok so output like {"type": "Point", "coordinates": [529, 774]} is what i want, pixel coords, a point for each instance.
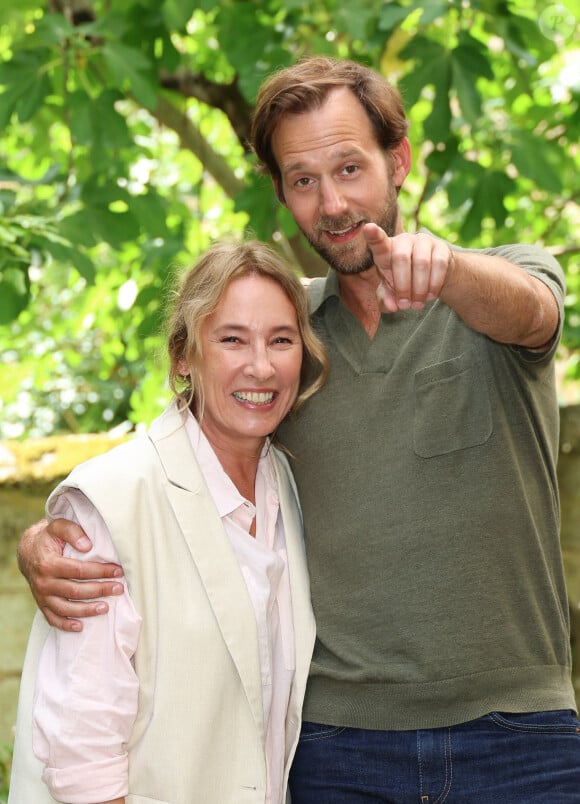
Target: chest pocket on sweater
{"type": "Point", "coordinates": [452, 408]}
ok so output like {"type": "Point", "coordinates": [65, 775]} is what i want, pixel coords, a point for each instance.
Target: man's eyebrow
{"type": "Point", "coordinates": [293, 167]}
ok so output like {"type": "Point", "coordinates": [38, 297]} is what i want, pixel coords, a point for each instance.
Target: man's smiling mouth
{"type": "Point", "coordinates": [344, 231]}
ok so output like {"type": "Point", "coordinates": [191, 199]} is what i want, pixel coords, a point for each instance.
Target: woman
{"type": "Point", "coordinates": [190, 690]}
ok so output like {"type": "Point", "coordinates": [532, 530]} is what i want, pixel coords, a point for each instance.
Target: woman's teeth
{"type": "Point", "coordinates": [255, 397]}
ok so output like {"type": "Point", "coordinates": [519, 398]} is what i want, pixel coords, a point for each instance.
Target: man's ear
{"type": "Point", "coordinates": [401, 156]}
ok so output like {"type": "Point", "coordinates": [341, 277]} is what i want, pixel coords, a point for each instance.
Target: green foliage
{"type": "Point", "coordinates": [5, 765]}
{"type": "Point", "coordinates": [124, 152]}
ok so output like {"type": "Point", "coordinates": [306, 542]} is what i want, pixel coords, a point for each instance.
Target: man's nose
{"type": "Point", "coordinates": [332, 201]}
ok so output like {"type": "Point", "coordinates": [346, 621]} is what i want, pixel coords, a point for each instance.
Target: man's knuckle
{"type": "Point", "coordinates": [76, 590]}
{"type": "Point", "coordinates": [43, 566]}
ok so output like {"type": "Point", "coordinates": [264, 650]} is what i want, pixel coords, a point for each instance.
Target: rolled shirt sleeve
{"type": "Point", "coordinates": [85, 701]}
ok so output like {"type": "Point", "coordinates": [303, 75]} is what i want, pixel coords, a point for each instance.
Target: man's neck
{"type": "Point", "coordinates": [358, 294]}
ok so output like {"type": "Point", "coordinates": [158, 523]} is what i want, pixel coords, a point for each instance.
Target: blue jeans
{"type": "Point", "coordinates": [497, 759]}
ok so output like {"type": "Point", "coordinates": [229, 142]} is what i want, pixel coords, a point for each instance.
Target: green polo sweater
{"type": "Point", "coordinates": [426, 469]}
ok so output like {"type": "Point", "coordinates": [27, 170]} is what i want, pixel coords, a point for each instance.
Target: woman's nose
{"type": "Point", "coordinates": [260, 364]}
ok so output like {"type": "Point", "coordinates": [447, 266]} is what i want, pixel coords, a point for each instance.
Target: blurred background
{"type": "Point", "coordinates": [124, 153]}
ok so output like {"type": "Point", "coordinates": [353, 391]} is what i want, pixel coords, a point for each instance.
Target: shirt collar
{"type": "Point", "coordinates": [222, 489]}
{"type": "Point", "coordinates": [319, 290]}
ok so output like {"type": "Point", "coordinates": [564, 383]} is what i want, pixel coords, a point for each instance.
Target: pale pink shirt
{"type": "Point", "coordinates": [79, 732]}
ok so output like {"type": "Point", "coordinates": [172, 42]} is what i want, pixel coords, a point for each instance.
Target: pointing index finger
{"type": "Point", "coordinates": [374, 235]}
{"type": "Point", "coordinates": [379, 244]}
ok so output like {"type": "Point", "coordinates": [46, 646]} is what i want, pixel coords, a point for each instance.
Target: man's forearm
{"type": "Point", "coordinates": [501, 300]}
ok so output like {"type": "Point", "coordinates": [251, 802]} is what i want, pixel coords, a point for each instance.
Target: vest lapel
{"type": "Point", "coordinates": [304, 626]}
{"type": "Point", "coordinates": [211, 552]}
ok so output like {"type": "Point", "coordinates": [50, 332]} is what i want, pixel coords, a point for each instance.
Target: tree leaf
{"type": "Point", "coordinates": [464, 180]}
{"type": "Point", "coordinates": [438, 123]}
{"type": "Point", "coordinates": [78, 230]}
{"type": "Point", "coordinates": [30, 102]}
{"type": "Point", "coordinates": [177, 13]}
{"type": "Point", "coordinates": [128, 66]}
{"type": "Point", "coordinates": [238, 26]}
{"type": "Point", "coordinates": [84, 265]}
{"type": "Point", "coordinates": [440, 160]}
{"type": "Point", "coordinates": [488, 202]}
{"type": "Point", "coordinates": [8, 100]}
{"type": "Point", "coordinates": [464, 85]}
{"type": "Point", "coordinates": [14, 293]}
{"type": "Point", "coordinates": [392, 15]}
{"type": "Point", "coordinates": [70, 256]}
{"type": "Point", "coordinates": [535, 160]}
{"type": "Point", "coordinates": [473, 58]}
{"type": "Point", "coordinates": [355, 18]}
{"type": "Point", "coordinates": [114, 228]}
{"type": "Point", "coordinates": [433, 10]}
{"type": "Point", "coordinates": [21, 78]}
{"type": "Point", "coordinates": [431, 66]}
{"type": "Point", "coordinates": [51, 29]}
{"type": "Point", "coordinates": [151, 212]}
{"type": "Point", "coordinates": [259, 201]}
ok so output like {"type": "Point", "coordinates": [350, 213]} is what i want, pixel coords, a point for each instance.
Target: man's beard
{"type": "Point", "coordinates": [343, 258]}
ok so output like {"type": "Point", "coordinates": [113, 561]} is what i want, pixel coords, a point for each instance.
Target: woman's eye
{"type": "Point", "coordinates": [230, 339]}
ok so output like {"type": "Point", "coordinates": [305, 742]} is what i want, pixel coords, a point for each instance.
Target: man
{"type": "Point", "coordinates": [426, 472]}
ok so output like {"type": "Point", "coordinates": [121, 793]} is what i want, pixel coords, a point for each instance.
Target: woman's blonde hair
{"type": "Point", "coordinates": [198, 296]}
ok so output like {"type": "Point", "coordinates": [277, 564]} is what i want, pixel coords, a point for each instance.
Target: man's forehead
{"type": "Point", "coordinates": [339, 128]}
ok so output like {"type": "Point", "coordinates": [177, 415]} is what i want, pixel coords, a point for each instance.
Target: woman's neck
{"type": "Point", "coordinates": [240, 462]}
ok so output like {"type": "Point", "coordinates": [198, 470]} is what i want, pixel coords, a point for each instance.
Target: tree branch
{"type": "Point", "coordinates": [226, 97]}
{"type": "Point", "coordinates": [191, 139]}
